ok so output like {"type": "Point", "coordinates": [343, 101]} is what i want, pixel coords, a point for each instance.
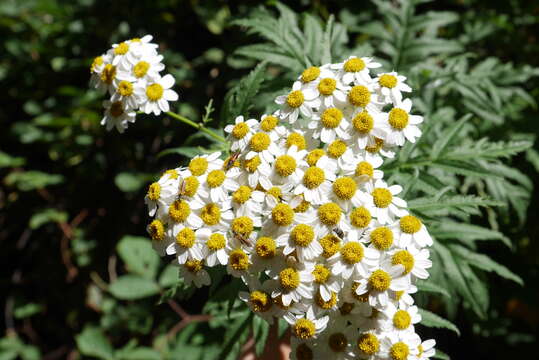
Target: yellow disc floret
{"type": "Point", "coordinates": [409, 224]}
{"type": "Point", "coordinates": [190, 186]}
{"type": "Point", "coordinates": [331, 118]}
{"type": "Point", "coordinates": [327, 86]}
{"type": "Point", "coordinates": [154, 92]}
{"type": "Point", "coordinates": [289, 279]}
{"type": "Point", "coordinates": [215, 178]}
{"type": "Point", "coordinates": [401, 319]}
{"type": "Point", "coordinates": [216, 242]}
{"type": "Point", "coordinates": [193, 266]}
{"type": "Point", "coordinates": [315, 155]}
{"type": "Point", "coordinates": [329, 214]}
{"type": "Point", "coordinates": [345, 188]}
{"type": "Point", "coordinates": [404, 258]}
{"type": "Point", "coordinates": [282, 214]}
{"type": "Point", "coordinates": [186, 238]}
{"type": "Point", "coordinates": [331, 244]}
{"type": "Point", "coordinates": [179, 211]}
{"type": "Point", "coordinates": [336, 149]}
{"type": "Point", "coordinates": [374, 148]}
{"type": "Point", "coordinates": [364, 168]}
{"type": "Point", "coordinates": [382, 238]}
{"type": "Point", "coordinates": [304, 329]}
{"type": "Point", "coordinates": [140, 69]}
{"type": "Point", "coordinates": [310, 74]}
{"type": "Point", "coordinates": [321, 274]}
{"type": "Point", "coordinates": [399, 351]}
{"type": "Point", "coordinates": [313, 177]}
{"type": "Point", "coordinates": [238, 260]}
{"type": "Point", "coordinates": [388, 81]}
{"type": "Point", "coordinates": [295, 99]}
{"type": "Point", "coordinates": [266, 247]}
{"type": "Point", "coordinates": [211, 214]}
{"type": "Point", "coordinates": [302, 235]}
{"type": "Point", "coordinates": [302, 207]}
{"type": "Point", "coordinates": [360, 217]}
{"type": "Point", "coordinates": [359, 95]}
{"type": "Point", "coordinates": [252, 164]}
{"type": "Point", "coordinates": [363, 122]}
{"type": "Point", "coordinates": [259, 142]}
{"type": "Point", "coordinates": [368, 343]}
{"type": "Point", "coordinates": [269, 123]}
{"type": "Point", "coordinates": [242, 225]}
{"type": "Point", "coordinates": [198, 166]}
{"type": "Point", "coordinates": [352, 253]}
{"type": "Point", "coordinates": [241, 195]}
{"type": "Point", "coordinates": [240, 130]}
{"type": "Point", "coordinates": [296, 139]}
{"type": "Point", "coordinates": [156, 230]}
{"type": "Point", "coordinates": [108, 74]}
{"type": "Point", "coordinates": [98, 61]}
{"type": "Point", "coordinates": [275, 192]}
{"type": "Point", "coordinates": [125, 88]}
{"type": "Point", "coordinates": [154, 191]}
{"type": "Point", "coordinates": [260, 301]}
{"type": "Point", "coordinates": [285, 165]}
{"type": "Point", "coordinates": [379, 280]}
{"type": "Point", "coordinates": [398, 118]}
{"type": "Point", "coordinates": [382, 197]}
{"type": "Point", "coordinates": [326, 305]}
{"type": "Point", "coordinates": [121, 49]}
{"type": "Point", "coordinates": [354, 65]}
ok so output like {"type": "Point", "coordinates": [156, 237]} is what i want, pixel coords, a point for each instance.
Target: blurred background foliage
{"type": "Point", "coordinates": [79, 278]}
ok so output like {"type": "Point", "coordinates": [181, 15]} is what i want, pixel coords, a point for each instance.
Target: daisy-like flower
{"type": "Point", "coordinates": [143, 46]}
{"type": "Point", "coordinates": [295, 284]}
{"type": "Point", "coordinates": [238, 262]}
{"type": "Point", "coordinates": [271, 125]}
{"type": "Point", "coordinates": [391, 86]}
{"type": "Point", "coordinates": [266, 255]}
{"type": "Point", "coordinates": [336, 342]}
{"type": "Point", "coordinates": [215, 216]}
{"type": "Point", "coordinates": [400, 124]}
{"type": "Point", "coordinates": [325, 283]}
{"type": "Point", "coordinates": [377, 148]}
{"type": "Point", "coordinates": [340, 152]}
{"type": "Point", "coordinates": [125, 92]}
{"type": "Point", "coordinates": [103, 73]}
{"type": "Point", "coordinates": [247, 202]}
{"type": "Point", "coordinates": [241, 132]}
{"type": "Point", "coordinates": [118, 115]}
{"type": "Point", "coordinates": [411, 230]}
{"type": "Point", "coordinates": [328, 88]}
{"type": "Point", "coordinates": [361, 98]}
{"type": "Point", "coordinates": [316, 183]}
{"type": "Point", "coordinates": [380, 281]}
{"type": "Point", "coordinates": [301, 240]}
{"type": "Point", "coordinates": [356, 69]}
{"type": "Point", "coordinates": [400, 346]}
{"type": "Point", "coordinates": [162, 192]}
{"type": "Point", "coordinates": [367, 345]}
{"type": "Point", "coordinates": [298, 100]}
{"type": "Point", "coordinates": [364, 170]}
{"type": "Point", "coordinates": [146, 68]}
{"type": "Point", "coordinates": [330, 124]}
{"type": "Point", "coordinates": [218, 183]}
{"type": "Point", "coordinates": [415, 261]}
{"type": "Point", "coordinates": [259, 298]}
{"type": "Point", "coordinates": [255, 172]}
{"type": "Point", "coordinates": [345, 192]}
{"type": "Point", "coordinates": [364, 127]}
{"type": "Point", "coordinates": [425, 350]}
{"type": "Point", "coordinates": [201, 165]}
{"type": "Point", "coordinates": [263, 145]}
{"type": "Point", "coordinates": [395, 319]}
{"type": "Point", "coordinates": [382, 202]}
{"type": "Point", "coordinates": [122, 54]}
{"type": "Point", "coordinates": [193, 272]}
{"type": "Point", "coordinates": [354, 260]}
{"type": "Point", "coordinates": [353, 305]}
{"type": "Point", "coordinates": [182, 213]}
{"type": "Point", "coordinates": [302, 350]}
{"type": "Point", "coordinates": [154, 96]}
{"type": "Point", "coordinates": [289, 165]}
{"type": "Point", "coordinates": [188, 245]}
{"type": "Point", "coordinates": [214, 249]}
{"type": "Point", "coordinates": [381, 237]}
{"type": "Point", "coordinates": [307, 326]}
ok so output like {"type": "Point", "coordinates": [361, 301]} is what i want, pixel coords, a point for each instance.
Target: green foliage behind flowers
{"type": "Point", "coordinates": [70, 191]}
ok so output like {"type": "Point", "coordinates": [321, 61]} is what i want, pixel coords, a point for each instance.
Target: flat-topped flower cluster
{"type": "Point", "coordinates": [301, 213]}
{"type": "Point", "coordinates": [130, 73]}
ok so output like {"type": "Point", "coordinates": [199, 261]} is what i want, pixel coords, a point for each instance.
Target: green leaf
{"type": "Point", "coordinates": [27, 310]}
{"type": "Point", "coordinates": [7, 160]}
{"type": "Point", "coordinates": [92, 342]}
{"type": "Point", "coordinates": [260, 333]}
{"type": "Point", "coordinates": [237, 329]}
{"type": "Point", "coordinates": [31, 180]}
{"type": "Point", "coordinates": [326, 44]}
{"type": "Point", "coordinates": [430, 319]}
{"type": "Point", "coordinates": [466, 232]}
{"type": "Point", "coordinates": [132, 287]}
{"type": "Point", "coordinates": [457, 201]}
{"type": "Point", "coordinates": [170, 276]}
{"type": "Point", "coordinates": [130, 182]}
{"type": "Point", "coordinates": [138, 255]}
{"type": "Point", "coordinates": [427, 286]}
{"type": "Point", "coordinates": [139, 353]}
{"type": "Point", "coordinates": [187, 151]}
{"type": "Point", "coordinates": [440, 355]}
{"type": "Point", "coordinates": [46, 216]}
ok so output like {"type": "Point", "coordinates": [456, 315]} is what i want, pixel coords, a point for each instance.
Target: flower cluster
{"type": "Point", "coordinates": [301, 213]}
{"type": "Point", "coordinates": [130, 73]}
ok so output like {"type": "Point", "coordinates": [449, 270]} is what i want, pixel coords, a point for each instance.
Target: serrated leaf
{"type": "Point", "coordinates": [133, 287]}
{"type": "Point", "coordinates": [138, 255]}
{"type": "Point", "coordinates": [430, 319]}
{"type": "Point", "coordinates": [447, 137]}
{"type": "Point", "coordinates": [260, 333]}
{"type": "Point", "coordinates": [467, 232]}
{"type": "Point", "coordinates": [233, 332]}
{"type": "Point", "coordinates": [427, 286]}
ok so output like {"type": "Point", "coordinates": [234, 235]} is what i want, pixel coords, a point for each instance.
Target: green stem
{"type": "Point", "coordinates": [198, 126]}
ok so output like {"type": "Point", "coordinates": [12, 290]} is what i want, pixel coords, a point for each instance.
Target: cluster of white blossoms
{"type": "Point", "coordinates": [130, 73]}
{"type": "Point", "coordinates": [301, 213]}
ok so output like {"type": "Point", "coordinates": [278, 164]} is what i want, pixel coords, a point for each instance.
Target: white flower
{"type": "Point", "coordinates": [365, 127]}
{"type": "Point", "coordinates": [295, 284]}
{"type": "Point", "coordinates": [330, 124]}
{"type": "Point", "coordinates": [241, 132]}
{"type": "Point", "coordinates": [354, 260]}
{"type": "Point", "coordinates": [401, 345]}
{"type": "Point", "coordinates": [153, 96]}
{"type": "Point", "coordinates": [325, 282]}
{"type": "Point", "coordinates": [302, 240]}
{"type": "Point", "coordinates": [118, 115]}
{"type": "Point", "coordinates": [391, 85]}
{"type": "Point", "coordinates": [188, 245]}
{"type": "Point", "coordinates": [214, 249]}
{"type": "Point", "coordinates": [122, 53]}
{"type": "Point", "coordinates": [307, 326]}
{"type": "Point", "coordinates": [380, 281]}
{"type": "Point", "coordinates": [328, 88]}
{"type": "Point", "coordinates": [247, 202]}
{"type": "Point", "coordinates": [270, 124]}
{"type": "Point", "coordinates": [162, 193]}
{"type": "Point", "coordinates": [356, 69]}
{"type": "Point", "coordinates": [315, 185]}
{"type": "Point", "coordinates": [263, 145]}
{"type": "Point", "coordinates": [410, 230]}
{"type": "Point", "coordinates": [146, 68]}
{"type": "Point", "coordinates": [336, 341]}
{"type": "Point", "coordinates": [103, 74]}
{"type": "Point", "coordinates": [399, 319]}
{"type": "Point", "coordinates": [426, 350]}
{"type": "Point", "coordinates": [298, 100]}
{"type": "Point", "coordinates": [346, 193]}
{"type": "Point", "coordinates": [382, 202]}
{"type": "Point", "coordinates": [415, 261]}
{"type": "Point", "coordinates": [289, 165]}
{"type": "Point", "coordinates": [238, 262]}
{"type": "Point", "coordinates": [400, 124]}
{"type": "Point", "coordinates": [218, 184]}
{"type": "Point", "coordinates": [193, 272]}
{"type": "Point", "coordinates": [142, 46]}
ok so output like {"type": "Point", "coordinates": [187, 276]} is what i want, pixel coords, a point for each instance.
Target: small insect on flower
{"type": "Point", "coordinates": [181, 189]}
{"type": "Point", "coordinates": [231, 160]}
{"type": "Point", "coordinates": [339, 232]}
{"type": "Point", "coordinates": [242, 238]}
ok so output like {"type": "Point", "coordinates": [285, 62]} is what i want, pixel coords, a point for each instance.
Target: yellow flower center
{"type": "Point", "coordinates": [108, 74]}
{"type": "Point", "coordinates": [98, 61]}
{"type": "Point", "coordinates": [337, 342]}
{"type": "Point", "coordinates": [360, 217]}
{"type": "Point", "coordinates": [326, 305]}
{"type": "Point", "coordinates": [269, 123]}
{"type": "Point", "coordinates": [240, 130]}
{"type": "Point", "coordinates": [336, 149]}
{"type": "Point", "coordinates": [193, 266]}
{"type": "Point", "coordinates": [382, 238]}
{"type": "Point", "coordinates": [321, 274]}
{"type": "Point", "coordinates": [380, 280]}
{"type": "Point", "coordinates": [363, 122]}
{"type": "Point", "coordinates": [242, 225]}
{"type": "Point", "coordinates": [265, 247]}
{"type": "Point", "coordinates": [364, 168]}
{"type": "Point", "coordinates": [260, 301]}
{"type": "Point", "coordinates": [398, 295]}
{"type": "Point", "coordinates": [359, 95]}
{"type": "Point", "coordinates": [121, 49]}
{"type": "Point", "coordinates": [313, 177]}
{"type": "Point", "coordinates": [216, 242]}
{"type": "Point", "coordinates": [409, 224]}
{"type": "Point", "coordinates": [374, 148]}
{"type": "Point", "coordinates": [345, 188]}
{"type": "Point", "coordinates": [275, 192]}
{"type": "Point", "coordinates": [398, 118]}
{"type": "Point", "coordinates": [190, 186]}
{"type": "Point", "coordinates": [238, 260]}
{"type": "Point", "coordinates": [156, 230]}
{"type": "Point", "coordinates": [382, 197]}
{"type": "Point", "coordinates": [282, 215]}
{"type": "Point", "coordinates": [401, 319]}
{"type": "Point", "coordinates": [179, 211]}
{"type": "Point", "coordinates": [331, 118]}
{"type": "Point", "coordinates": [352, 252]}
{"type": "Point", "coordinates": [285, 165]}
{"type": "Point", "coordinates": [296, 139]}
{"type": "Point", "coordinates": [310, 74]}
{"type": "Point", "coordinates": [154, 191]}
{"type": "Point", "coordinates": [154, 92]}
{"type": "Point", "coordinates": [327, 86]}
{"type": "Point", "coordinates": [304, 329]}
{"type": "Point", "coordinates": [399, 351]}
{"type": "Point", "coordinates": [198, 166]}
{"type": "Point", "coordinates": [215, 178]}
{"type": "Point", "coordinates": [140, 69]}
{"type": "Point", "coordinates": [302, 235]}
{"type": "Point", "coordinates": [315, 155]}
{"type": "Point", "coordinates": [302, 207]}
{"type": "Point", "coordinates": [242, 194]}
{"type": "Point", "coordinates": [405, 259]}
{"type": "Point", "coordinates": [252, 164]}
{"type": "Point", "coordinates": [289, 279]}
{"type": "Point", "coordinates": [304, 352]}
{"type": "Point", "coordinates": [211, 214]}
{"type": "Point", "coordinates": [354, 65]}
{"type": "Point", "coordinates": [259, 142]}
{"type": "Point", "coordinates": [116, 109]}
{"type": "Point", "coordinates": [295, 99]}
{"type": "Point", "coordinates": [368, 343]}
{"type": "Point", "coordinates": [331, 244]}
{"type": "Point", "coordinates": [388, 81]}
{"type": "Point", "coordinates": [173, 174]}
{"type": "Point", "coordinates": [329, 214]}
{"type": "Point", "coordinates": [361, 298]}
{"type": "Point", "coordinates": [186, 238]}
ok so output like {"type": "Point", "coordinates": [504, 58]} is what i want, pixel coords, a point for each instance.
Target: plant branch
{"type": "Point", "coordinates": [198, 126]}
